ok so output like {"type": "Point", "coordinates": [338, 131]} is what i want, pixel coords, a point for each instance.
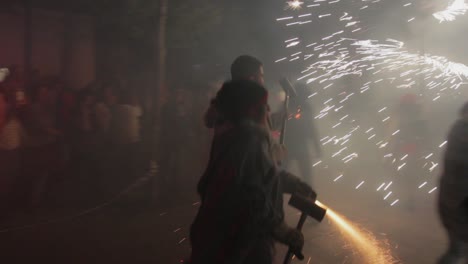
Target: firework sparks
{"type": "Point", "coordinates": [373, 250]}
{"type": "Point", "coordinates": [360, 184]}
{"type": "Point", "coordinates": [337, 178]}
{"type": "Point", "coordinates": [294, 5]}
{"type": "Point", "coordinates": [343, 53]}
{"type": "Point", "coordinates": [456, 8]}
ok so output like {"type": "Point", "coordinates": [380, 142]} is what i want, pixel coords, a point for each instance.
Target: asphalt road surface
{"type": "Point", "coordinates": [129, 232]}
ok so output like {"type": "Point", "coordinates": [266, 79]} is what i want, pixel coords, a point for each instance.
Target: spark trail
{"type": "Point", "coordinates": [370, 248]}
{"type": "Point", "coordinates": [456, 8]}
{"type": "Point", "coordinates": [345, 53]}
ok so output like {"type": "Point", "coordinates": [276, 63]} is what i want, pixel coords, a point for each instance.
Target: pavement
{"type": "Point", "coordinates": [132, 230]}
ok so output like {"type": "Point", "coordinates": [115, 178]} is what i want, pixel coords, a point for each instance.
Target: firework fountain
{"type": "Point", "coordinates": [348, 66]}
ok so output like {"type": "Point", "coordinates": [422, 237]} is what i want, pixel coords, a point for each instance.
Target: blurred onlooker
{"type": "Point", "coordinates": [66, 104]}
{"type": "Point", "coordinates": [11, 139]}
{"type": "Point", "coordinates": [407, 133]}
{"type": "Point", "coordinates": [409, 120]}
{"type": "Point", "coordinates": [202, 97]}
{"type": "Point", "coordinates": [85, 154]}
{"type": "Point", "coordinates": [127, 119]}
{"type": "Point", "coordinates": [42, 155]}
{"type": "Point", "coordinates": [106, 101]}
{"type": "Point", "coordinates": [85, 118]}
{"type": "Point", "coordinates": [302, 133]}
{"type": "Point", "coordinates": [125, 130]}
{"type": "Point", "coordinates": [85, 122]}
{"type": "Point", "coordinates": [177, 135]}
{"type": "Point", "coordinates": [453, 195]}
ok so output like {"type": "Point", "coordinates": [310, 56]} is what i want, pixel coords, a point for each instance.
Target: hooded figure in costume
{"type": "Point", "coordinates": [241, 213]}
{"type": "Point", "coordinates": [453, 191]}
{"type": "Point", "coordinates": [302, 133]}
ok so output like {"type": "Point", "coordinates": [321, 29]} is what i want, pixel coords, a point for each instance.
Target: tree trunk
{"type": "Point", "coordinates": [27, 45]}
{"type": "Point", "coordinates": [162, 52]}
{"type": "Point", "coordinates": [160, 61]}
{"type": "Point", "coordinates": [161, 67]}
{"type": "Point", "coordinates": [67, 47]}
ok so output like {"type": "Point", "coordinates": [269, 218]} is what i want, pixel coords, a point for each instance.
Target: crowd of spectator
{"type": "Point", "coordinates": [88, 144]}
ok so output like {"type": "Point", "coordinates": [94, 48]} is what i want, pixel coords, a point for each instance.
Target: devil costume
{"type": "Point", "coordinates": [241, 214]}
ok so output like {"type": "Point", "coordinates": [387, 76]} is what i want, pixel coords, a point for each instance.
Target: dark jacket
{"type": "Point", "coordinates": [241, 192]}
{"type": "Point", "coordinates": [241, 198]}
{"type": "Point", "coordinates": [453, 193]}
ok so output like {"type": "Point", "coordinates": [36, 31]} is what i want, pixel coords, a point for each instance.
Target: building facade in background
{"type": "Point", "coordinates": [61, 44]}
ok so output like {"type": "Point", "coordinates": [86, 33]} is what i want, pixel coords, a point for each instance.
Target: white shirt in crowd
{"type": "Point", "coordinates": [127, 123]}
{"type": "Point", "coordinates": [103, 117]}
{"type": "Point", "coordinates": [11, 135]}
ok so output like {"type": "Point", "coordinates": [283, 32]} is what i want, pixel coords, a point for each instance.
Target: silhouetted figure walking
{"type": "Point", "coordinates": [453, 193]}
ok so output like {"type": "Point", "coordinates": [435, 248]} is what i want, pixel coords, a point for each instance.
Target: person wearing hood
{"type": "Point", "coordinates": [241, 213]}
{"type": "Point", "coordinates": [453, 191]}
{"type": "Point", "coordinates": [246, 67]}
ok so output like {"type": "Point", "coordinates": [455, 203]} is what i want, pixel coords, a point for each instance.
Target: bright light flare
{"type": "Point", "coordinates": [294, 5]}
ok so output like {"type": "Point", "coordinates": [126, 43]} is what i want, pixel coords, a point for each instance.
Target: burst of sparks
{"type": "Point", "coordinates": [371, 248]}
{"type": "Point", "coordinates": [342, 53]}
{"type": "Point", "coordinates": [394, 56]}
{"type": "Point", "coordinates": [456, 8]}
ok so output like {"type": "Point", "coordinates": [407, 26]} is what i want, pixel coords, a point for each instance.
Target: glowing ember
{"type": "Point", "coordinates": [294, 5]}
